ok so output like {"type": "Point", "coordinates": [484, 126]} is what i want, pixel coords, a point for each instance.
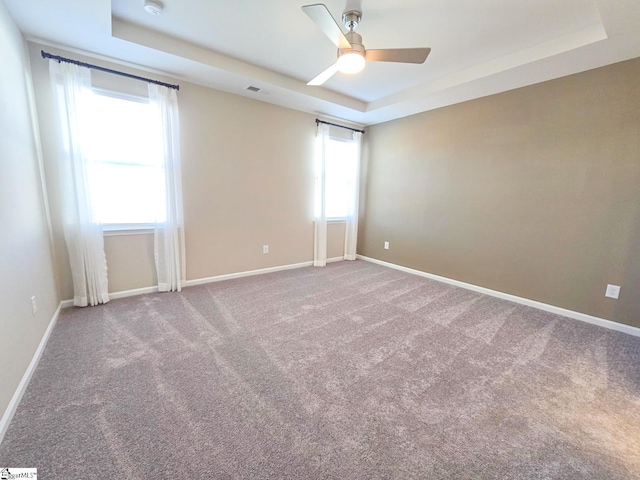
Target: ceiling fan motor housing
{"type": "Point", "coordinates": [356, 44]}
{"type": "Point", "coordinates": [351, 20]}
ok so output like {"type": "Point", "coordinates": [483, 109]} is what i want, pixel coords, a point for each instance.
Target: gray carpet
{"type": "Point", "coordinates": [351, 371]}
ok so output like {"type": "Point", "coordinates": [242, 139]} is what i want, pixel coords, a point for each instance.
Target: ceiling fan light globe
{"type": "Point", "coordinates": [351, 63]}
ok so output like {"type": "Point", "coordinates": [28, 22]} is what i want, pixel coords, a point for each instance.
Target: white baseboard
{"type": "Point", "coordinates": [335, 259]}
{"type": "Point", "coordinates": [249, 273]}
{"type": "Point", "coordinates": [121, 294]}
{"type": "Point", "coordinates": [201, 281]}
{"type": "Point", "coordinates": [22, 386]}
{"type": "Point", "coordinates": [131, 293]}
{"type": "Point", "coordinates": [601, 322]}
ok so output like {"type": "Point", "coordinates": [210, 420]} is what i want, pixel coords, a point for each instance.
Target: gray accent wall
{"type": "Point", "coordinates": [533, 192]}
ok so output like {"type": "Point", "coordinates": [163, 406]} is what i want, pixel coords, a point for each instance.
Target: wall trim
{"type": "Point", "coordinates": [583, 317]}
{"type": "Point", "coordinates": [132, 293]}
{"type": "Point", "coordinates": [335, 259]}
{"type": "Point", "coordinates": [202, 281]}
{"type": "Point", "coordinates": [24, 382]}
{"type": "Point", "coordinates": [121, 294]}
{"type": "Point", "coordinates": [248, 273]}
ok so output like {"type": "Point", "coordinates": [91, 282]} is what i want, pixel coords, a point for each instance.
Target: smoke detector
{"type": "Point", "coordinates": [154, 7]}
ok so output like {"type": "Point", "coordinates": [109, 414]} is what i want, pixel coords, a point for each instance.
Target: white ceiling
{"type": "Point", "coordinates": [479, 48]}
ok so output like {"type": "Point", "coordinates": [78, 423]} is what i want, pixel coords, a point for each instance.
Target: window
{"type": "Point", "coordinates": [123, 146]}
{"type": "Point", "coordinates": [340, 177]}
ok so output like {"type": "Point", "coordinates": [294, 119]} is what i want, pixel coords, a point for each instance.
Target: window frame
{"type": "Point", "coordinates": [345, 218]}
{"type": "Point", "coordinates": [117, 229]}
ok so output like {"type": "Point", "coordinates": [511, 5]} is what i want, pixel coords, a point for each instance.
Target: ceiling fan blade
{"type": "Point", "coordinates": [324, 76]}
{"type": "Point", "coordinates": [320, 14]}
{"type": "Point", "coordinates": [401, 55]}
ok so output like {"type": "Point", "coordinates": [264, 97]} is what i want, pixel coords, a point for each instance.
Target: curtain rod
{"type": "Point", "coordinates": [339, 126]}
{"type": "Point", "coordinates": [107, 70]}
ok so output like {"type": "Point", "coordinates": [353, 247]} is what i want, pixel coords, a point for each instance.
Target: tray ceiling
{"type": "Point", "coordinates": [479, 48]}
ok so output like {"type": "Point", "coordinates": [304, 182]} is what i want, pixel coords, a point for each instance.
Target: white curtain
{"type": "Point", "coordinates": [320, 236]}
{"type": "Point", "coordinates": [169, 246]}
{"type": "Point", "coordinates": [71, 85]}
{"type": "Point", "coordinates": [351, 228]}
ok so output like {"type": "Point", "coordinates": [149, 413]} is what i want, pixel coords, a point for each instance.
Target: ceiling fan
{"type": "Point", "coordinates": [352, 55]}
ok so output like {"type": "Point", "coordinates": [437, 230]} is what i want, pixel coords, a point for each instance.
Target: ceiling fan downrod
{"type": "Point", "coordinates": [351, 19]}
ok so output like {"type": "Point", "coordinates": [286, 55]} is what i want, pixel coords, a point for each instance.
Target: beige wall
{"type": "Point", "coordinates": [533, 192]}
{"type": "Point", "coordinates": [130, 261]}
{"type": "Point", "coordinates": [335, 239]}
{"type": "Point", "coordinates": [26, 265]}
{"type": "Point", "coordinates": [247, 181]}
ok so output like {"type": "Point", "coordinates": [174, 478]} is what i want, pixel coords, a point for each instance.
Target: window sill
{"type": "Point", "coordinates": [335, 220]}
{"type": "Point", "coordinates": [116, 230]}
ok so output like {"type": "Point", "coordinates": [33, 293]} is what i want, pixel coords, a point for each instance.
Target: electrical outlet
{"type": "Point", "coordinates": [613, 291]}
{"type": "Point", "coordinates": [34, 305]}
{"type": "Point", "coordinates": [386, 245]}
{"type": "Point", "coordinates": [265, 248]}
